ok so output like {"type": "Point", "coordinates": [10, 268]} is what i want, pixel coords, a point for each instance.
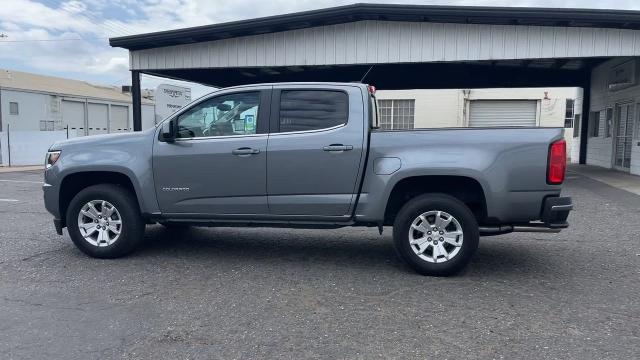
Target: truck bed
{"type": "Point", "coordinates": [509, 163]}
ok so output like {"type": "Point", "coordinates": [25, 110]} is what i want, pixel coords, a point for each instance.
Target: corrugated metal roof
{"type": "Point", "coordinates": [599, 18]}
{"type": "Point", "coordinates": [34, 82]}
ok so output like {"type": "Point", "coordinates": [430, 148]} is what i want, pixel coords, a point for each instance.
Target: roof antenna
{"type": "Point", "coordinates": [367, 73]}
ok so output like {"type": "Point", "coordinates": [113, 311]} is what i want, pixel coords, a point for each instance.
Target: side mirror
{"type": "Point", "coordinates": [168, 131]}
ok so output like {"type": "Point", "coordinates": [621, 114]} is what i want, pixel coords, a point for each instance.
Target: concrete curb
{"type": "Point", "coordinates": [8, 169]}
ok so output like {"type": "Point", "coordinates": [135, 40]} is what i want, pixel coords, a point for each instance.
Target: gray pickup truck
{"type": "Point", "coordinates": [309, 155]}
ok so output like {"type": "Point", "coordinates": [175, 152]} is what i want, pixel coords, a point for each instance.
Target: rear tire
{"type": "Point", "coordinates": [114, 211]}
{"type": "Point", "coordinates": [435, 226]}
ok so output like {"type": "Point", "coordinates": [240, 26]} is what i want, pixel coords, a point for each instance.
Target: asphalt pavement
{"type": "Point", "coordinates": [232, 293]}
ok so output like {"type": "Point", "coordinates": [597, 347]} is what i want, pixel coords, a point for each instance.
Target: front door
{"type": "Point", "coordinates": [315, 150]}
{"type": "Point", "coordinates": [217, 164]}
{"type": "Point", "coordinates": [623, 130]}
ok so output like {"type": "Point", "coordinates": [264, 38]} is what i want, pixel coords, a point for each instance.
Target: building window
{"type": "Point", "coordinates": [568, 113]}
{"type": "Point", "coordinates": [396, 114]}
{"type": "Point", "coordinates": [13, 108]}
{"type": "Point", "coordinates": [608, 122]}
{"type": "Point", "coordinates": [576, 126]}
{"type": "Point", "coordinates": [594, 124]}
{"type": "Point", "coordinates": [46, 125]}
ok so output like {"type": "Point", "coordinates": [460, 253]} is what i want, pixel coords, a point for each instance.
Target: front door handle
{"type": "Point", "coordinates": [337, 148]}
{"type": "Point", "coordinates": [245, 151]}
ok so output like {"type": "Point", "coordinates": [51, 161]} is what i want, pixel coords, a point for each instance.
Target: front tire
{"type": "Point", "coordinates": [104, 221]}
{"type": "Point", "coordinates": [435, 234]}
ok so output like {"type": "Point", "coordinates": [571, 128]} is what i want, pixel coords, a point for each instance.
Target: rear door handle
{"type": "Point", "coordinates": [245, 151]}
{"type": "Point", "coordinates": [337, 147]}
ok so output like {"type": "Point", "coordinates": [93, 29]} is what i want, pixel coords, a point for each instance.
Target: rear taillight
{"type": "Point", "coordinates": [557, 162]}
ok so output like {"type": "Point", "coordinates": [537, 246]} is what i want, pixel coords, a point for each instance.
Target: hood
{"type": "Point", "coordinates": [101, 140]}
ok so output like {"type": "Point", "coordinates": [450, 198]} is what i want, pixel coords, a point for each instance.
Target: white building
{"type": "Point", "coordinates": [397, 46]}
{"type": "Point", "coordinates": [614, 118]}
{"type": "Point", "coordinates": [420, 108]}
{"type": "Point", "coordinates": [31, 102]}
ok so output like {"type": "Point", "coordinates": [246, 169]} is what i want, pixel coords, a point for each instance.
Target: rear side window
{"type": "Point", "coordinates": [303, 110]}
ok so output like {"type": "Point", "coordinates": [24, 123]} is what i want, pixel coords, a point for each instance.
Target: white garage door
{"type": "Point", "coordinates": [119, 118]}
{"type": "Point", "coordinates": [98, 118]}
{"type": "Point", "coordinates": [73, 117]}
{"type": "Point", "coordinates": [490, 113]}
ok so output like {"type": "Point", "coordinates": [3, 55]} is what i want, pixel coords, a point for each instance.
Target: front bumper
{"type": "Point", "coordinates": [51, 197]}
{"type": "Point", "coordinates": [57, 223]}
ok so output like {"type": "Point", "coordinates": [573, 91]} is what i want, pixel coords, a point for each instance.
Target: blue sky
{"type": "Point", "coordinates": [69, 38]}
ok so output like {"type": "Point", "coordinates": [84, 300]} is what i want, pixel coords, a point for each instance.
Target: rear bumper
{"type": "Point", "coordinates": [553, 218]}
{"type": "Point", "coordinates": [555, 211]}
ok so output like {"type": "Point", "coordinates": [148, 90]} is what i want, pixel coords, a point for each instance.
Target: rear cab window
{"type": "Point", "coordinates": [306, 110]}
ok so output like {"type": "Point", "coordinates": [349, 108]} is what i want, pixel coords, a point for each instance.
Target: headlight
{"type": "Point", "coordinates": [51, 158]}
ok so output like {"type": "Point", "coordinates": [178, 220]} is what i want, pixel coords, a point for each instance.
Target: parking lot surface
{"type": "Point", "coordinates": [280, 293]}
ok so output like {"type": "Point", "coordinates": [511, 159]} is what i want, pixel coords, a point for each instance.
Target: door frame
{"type": "Point", "coordinates": [616, 128]}
{"type": "Point", "coordinates": [356, 97]}
{"type": "Point", "coordinates": [262, 127]}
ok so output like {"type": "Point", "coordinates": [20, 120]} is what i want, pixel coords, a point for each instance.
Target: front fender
{"type": "Point", "coordinates": [127, 155]}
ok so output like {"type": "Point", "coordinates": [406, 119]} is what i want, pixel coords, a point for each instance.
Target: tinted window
{"type": "Point", "coordinates": [233, 114]}
{"type": "Point", "coordinates": [302, 110]}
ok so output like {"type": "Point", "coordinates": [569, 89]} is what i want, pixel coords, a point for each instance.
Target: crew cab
{"type": "Point", "coordinates": [308, 155]}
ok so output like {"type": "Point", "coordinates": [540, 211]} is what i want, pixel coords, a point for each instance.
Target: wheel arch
{"type": "Point", "coordinates": [467, 189]}
{"type": "Point", "coordinates": [72, 183]}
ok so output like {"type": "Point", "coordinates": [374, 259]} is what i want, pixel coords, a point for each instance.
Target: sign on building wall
{"type": "Point", "coordinates": [169, 99]}
{"type": "Point", "coordinates": [622, 76]}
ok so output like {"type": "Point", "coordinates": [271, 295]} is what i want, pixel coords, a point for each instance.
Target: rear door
{"type": "Point", "coordinates": [315, 149]}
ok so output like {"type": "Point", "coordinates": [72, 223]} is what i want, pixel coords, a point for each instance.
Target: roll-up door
{"type": "Point", "coordinates": [496, 113]}
{"type": "Point", "coordinates": [73, 117]}
{"type": "Point", "coordinates": [119, 118]}
{"type": "Point", "coordinates": [98, 115]}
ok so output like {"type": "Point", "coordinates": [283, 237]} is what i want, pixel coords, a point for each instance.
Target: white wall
{"type": "Point", "coordinates": [552, 100]}
{"type": "Point", "coordinates": [379, 42]}
{"type": "Point", "coordinates": [433, 108]}
{"type": "Point", "coordinates": [436, 108]}
{"type": "Point", "coordinates": [28, 147]}
{"type": "Point", "coordinates": [600, 149]}
{"type": "Point", "coordinates": [148, 116]}
{"type": "Point", "coordinates": [568, 133]}
{"type": "Point", "coordinates": [35, 106]}
{"type": "Point", "coordinates": [32, 108]}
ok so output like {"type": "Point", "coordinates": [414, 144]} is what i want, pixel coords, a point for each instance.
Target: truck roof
{"type": "Point", "coordinates": [297, 83]}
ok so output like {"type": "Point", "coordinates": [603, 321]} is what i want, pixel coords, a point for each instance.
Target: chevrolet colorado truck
{"type": "Point", "coordinates": [309, 155]}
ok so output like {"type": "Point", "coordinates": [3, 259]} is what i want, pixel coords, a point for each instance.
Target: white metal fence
{"type": "Point", "coordinates": [18, 148]}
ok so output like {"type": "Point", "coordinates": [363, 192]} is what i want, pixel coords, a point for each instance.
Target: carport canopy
{"type": "Point", "coordinates": [394, 47]}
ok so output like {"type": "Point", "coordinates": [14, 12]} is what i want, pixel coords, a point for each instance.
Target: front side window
{"type": "Point", "coordinates": [304, 110]}
{"type": "Point", "coordinates": [226, 115]}
{"type": "Point", "coordinates": [397, 114]}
